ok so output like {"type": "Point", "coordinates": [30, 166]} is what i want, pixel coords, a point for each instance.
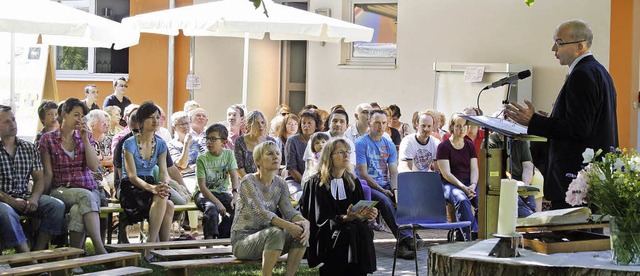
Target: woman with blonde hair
{"type": "Point", "coordinates": [341, 237]}
{"type": "Point", "coordinates": [257, 231]}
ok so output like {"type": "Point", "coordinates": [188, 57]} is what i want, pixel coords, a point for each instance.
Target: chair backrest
{"type": "Point", "coordinates": [420, 198]}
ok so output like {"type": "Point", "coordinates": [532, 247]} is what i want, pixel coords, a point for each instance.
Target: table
{"type": "Point", "coordinates": [471, 258]}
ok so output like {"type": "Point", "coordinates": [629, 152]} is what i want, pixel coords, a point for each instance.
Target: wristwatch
{"type": "Point", "coordinates": [234, 190]}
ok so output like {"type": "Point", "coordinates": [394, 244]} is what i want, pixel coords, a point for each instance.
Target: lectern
{"type": "Point", "coordinates": [492, 166]}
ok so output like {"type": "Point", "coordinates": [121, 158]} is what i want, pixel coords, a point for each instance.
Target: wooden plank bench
{"type": "Point", "coordinates": [118, 258]}
{"type": "Point", "coordinates": [58, 253]}
{"type": "Point", "coordinates": [139, 247]}
{"type": "Point", "coordinates": [187, 267]}
{"type": "Point", "coordinates": [127, 270]}
{"type": "Point", "coordinates": [192, 253]}
{"type": "Point", "coordinates": [107, 212]}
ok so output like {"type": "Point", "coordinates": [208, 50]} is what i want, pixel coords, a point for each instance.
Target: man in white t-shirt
{"type": "Point", "coordinates": [418, 150]}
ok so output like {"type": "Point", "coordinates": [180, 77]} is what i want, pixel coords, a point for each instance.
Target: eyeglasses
{"type": "Point", "coordinates": [559, 42]}
{"type": "Point", "coordinates": [460, 126]}
{"type": "Point", "coordinates": [213, 139]}
{"type": "Point", "coordinates": [183, 124]}
{"type": "Point", "coordinates": [343, 152]}
{"type": "Point", "coordinates": [123, 85]}
{"type": "Point", "coordinates": [284, 113]}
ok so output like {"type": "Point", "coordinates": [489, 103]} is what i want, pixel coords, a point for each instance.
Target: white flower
{"type": "Point", "coordinates": [617, 166]}
{"type": "Point", "coordinates": [634, 164]}
{"type": "Point", "coordinates": [588, 155]}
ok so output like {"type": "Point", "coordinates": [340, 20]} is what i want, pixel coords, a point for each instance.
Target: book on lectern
{"type": "Point", "coordinates": [556, 217]}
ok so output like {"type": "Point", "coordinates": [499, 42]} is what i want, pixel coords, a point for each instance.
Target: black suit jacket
{"type": "Point", "coordinates": [583, 116]}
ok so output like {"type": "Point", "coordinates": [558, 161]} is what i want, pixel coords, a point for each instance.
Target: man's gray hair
{"type": "Point", "coordinates": [580, 30]}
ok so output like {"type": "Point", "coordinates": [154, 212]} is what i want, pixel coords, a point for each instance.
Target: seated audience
{"type": "Point", "coordinates": [377, 164]}
{"type": "Point", "coordinates": [126, 130]}
{"type": "Point", "coordinates": [183, 149]}
{"type": "Point", "coordinates": [114, 124]}
{"type": "Point", "coordinates": [294, 149]}
{"type": "Point", "coordinates": [281, 111]}
{"type": "Point", "coordinates": [190, 105]}
{"type": "Point", "coordinates": [48, 114]}
{"type": "Point", "coordinates": [69, 160]}
{"type": "Point", "coordinates": [198, 118]}
{"type": "Point", "coordinates": [403, 128]}
{"type": "Point", "coordinates": [216, 169]}
{"type": "Point", "coordinates": [235, 124]}
{"type": "Point", "coordinates": [458, 164]}
{"type": "Point", "coordinates": [142, 196]}
{"type": "Point", "coordinates": [474, 133]}
{"type": "Point", "coordinates": [288, 127]}
{"type": "Point", "coordinates": [340, 237]}
{"type": "Point", "coordinates": [162, 131]}
{"type": "Point", "coordinates": [418, 151]}
{"type": "Point", "coordinates": [318, 140]}
{"type": "Point", "coordinates": [244, 145]}
{"type": "Point", "coordinates": [257, 231]}
{"type": "Point", "coordinates": [20, 160]}
{"type": "Point", "coordinates": [391, 131]}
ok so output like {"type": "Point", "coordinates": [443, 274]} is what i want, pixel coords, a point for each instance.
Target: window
{"type": "Point", "coordinates": [382, 17]}
{"type": "Point", "coordinates": [94, 63]}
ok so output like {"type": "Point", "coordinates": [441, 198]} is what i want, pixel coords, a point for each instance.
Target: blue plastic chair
{"type": "Point", "coordinates": [421, 205]}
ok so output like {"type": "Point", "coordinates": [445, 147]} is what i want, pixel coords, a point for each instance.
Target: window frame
{"type": "Point", "coordinates": [89, 74]}
{"type": "Point", "coordinates": [347, 58]}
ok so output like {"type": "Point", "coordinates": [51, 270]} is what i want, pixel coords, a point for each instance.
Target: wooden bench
{"type": "Point", "coordinates": [118, 258]}
{"type": "Point", "coordinates": [192, 253]}
{"type": "Point", "coordinates": [58, 253]}
{"type": "Point", "coordinates": [139, 247]}
{"type": "Point", "coordinates": [127, 270]}
{"type": "Point", "coordinates": [107, 212]}
{"type": "Point", "coordinates": [187, 267]}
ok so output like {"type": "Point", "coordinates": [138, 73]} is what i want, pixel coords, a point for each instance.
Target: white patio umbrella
{"type": "Point", "coordinates": [62, 25]}
{"type": "Point", "coordinates": [239, 18]}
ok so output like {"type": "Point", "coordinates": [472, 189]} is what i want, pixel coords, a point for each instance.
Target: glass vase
{"type": "Point", "coordinates": [625, 242]}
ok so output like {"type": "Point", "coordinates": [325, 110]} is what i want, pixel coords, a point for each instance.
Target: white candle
{"type": "Point", "coordinates": [508, 213]}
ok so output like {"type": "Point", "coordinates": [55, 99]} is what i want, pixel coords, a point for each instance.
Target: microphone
{"type": "Point", "coordinates": [510, 79]}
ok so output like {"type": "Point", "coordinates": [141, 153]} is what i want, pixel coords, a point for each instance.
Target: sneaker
{"type": "Point", "coordinates": [378, 227]}
{"type": "Point", "coordinates": [4, 266]}
{"type": "Point", "coordinates": [404, 252]}
{"type": "Point", "coordinates": [419, 243]}
{"type": "Point", "coordinates": [77, 270]}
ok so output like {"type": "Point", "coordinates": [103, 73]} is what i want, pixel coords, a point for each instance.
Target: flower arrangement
{"type": "Point", "coordinates": [612, 183]}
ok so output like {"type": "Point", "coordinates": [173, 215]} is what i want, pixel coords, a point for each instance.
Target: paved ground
{"type": "Point", "coordinates": [384, 243]}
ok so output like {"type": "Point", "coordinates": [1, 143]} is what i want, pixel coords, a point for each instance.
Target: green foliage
{"type": "Point", "coordinates": [73, 58]}
{"type": "Point", "coordinates": [529, 2]}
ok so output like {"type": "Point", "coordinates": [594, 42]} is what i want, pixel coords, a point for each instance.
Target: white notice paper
{"type": "Point", "coordinates": [193, 82]}
{"type": "Point", "coordinates": [473, 74]}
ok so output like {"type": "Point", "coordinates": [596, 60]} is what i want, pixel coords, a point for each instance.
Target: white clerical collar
{"type": "Point", "coordinates": [573, 64]}
{"type": "Point", "coordinates": [337, 189]}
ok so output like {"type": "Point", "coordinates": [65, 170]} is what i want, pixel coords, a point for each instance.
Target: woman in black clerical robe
{"type": "Point", "coordinates": [341, 238]}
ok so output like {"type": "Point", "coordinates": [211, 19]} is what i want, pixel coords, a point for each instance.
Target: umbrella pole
{"type": "Point", "coordinates": [170, 74]}
{"type": "Point", "coordinates": [245, 69]}
{"type": "Point", "coordinates": [12, 73]}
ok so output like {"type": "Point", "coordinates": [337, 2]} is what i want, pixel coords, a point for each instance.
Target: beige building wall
{"type": "Point", "coordinates": [488, 31]}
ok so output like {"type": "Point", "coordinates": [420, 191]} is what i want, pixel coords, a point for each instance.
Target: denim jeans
{"type": "Point", "coordinates": [211, 224]}
{"type": "Point", "coordinates": [388, 212]}
{"type": "Point", "coordinates": [464, 206]}
{"type": "Point", "coordinates": [526, 206]}
{"type": "Point", "coordinates": [50, 211]}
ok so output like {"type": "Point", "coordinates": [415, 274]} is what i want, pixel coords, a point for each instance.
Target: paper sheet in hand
{"type": "Point", "coordinates": [499, 125]}
{"type": "Point", "coordinates": [364, 203]}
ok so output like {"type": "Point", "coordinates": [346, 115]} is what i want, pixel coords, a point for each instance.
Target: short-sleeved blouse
{"type": "Point", "coordinates": [68, 171]}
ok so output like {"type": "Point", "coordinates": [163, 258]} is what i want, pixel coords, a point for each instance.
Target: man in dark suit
{"type": "Point", "coordinates": [583, 116]}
